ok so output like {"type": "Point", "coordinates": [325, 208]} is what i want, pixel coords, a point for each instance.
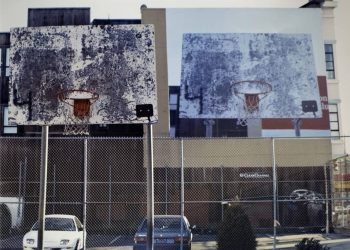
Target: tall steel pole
{"type": "Point", "coordinates": [182, 191]}
{"type": "Point", "coordinates": [43, 184]}
{"type": "Point", "coordinates": [150, 188]}
{"type": "Point", "coordinates": [274, 193]}
{"type": "Point", "coordinates": [327, 201]}
{"type": "Point", "coordinates": [85, 190]}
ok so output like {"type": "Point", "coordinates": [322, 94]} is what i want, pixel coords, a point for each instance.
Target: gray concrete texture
{"type": "Point", "coordinates": [334, 241]}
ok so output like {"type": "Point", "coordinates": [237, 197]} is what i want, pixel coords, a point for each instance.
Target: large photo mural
{"type": "Point", "coordinates": [263, 67]}
{"type": "Point", "coordinates": [243, 75]}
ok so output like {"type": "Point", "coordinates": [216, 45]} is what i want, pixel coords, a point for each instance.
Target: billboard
{"type": "Point", "coordinates": [246, 63]}
{"type": "Point", "coordinates": [243, 75]}
{"type": "Point", "coordinates": [96, 73]}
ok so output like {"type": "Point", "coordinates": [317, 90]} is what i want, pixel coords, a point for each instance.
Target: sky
{"type": "Point", "coordinates": [13, 13]}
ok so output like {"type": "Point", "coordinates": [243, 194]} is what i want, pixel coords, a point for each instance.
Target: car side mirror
{"type": "Point", "coordinates": [81, 228]}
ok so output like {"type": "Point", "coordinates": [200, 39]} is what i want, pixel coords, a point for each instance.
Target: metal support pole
{"type": "Point", "coordinates": [150, 188]}
{"type": "Point", "coordinates": [342, 194]}
{"type": "Point", "coordinates": [20, 196]}
{"type": "Point", "coordinates": [24, 185]}
{"type": "Point", "coordinates": [182, 191]}
{"type": "Point", "coordinates": [297, 124]}
{"type": "Point", "coordinates": [43, 180]}
{"type": "Point", "coordinates": [327, 200]}
{"type": "Point", "coordinates": [54, 188]}
{"type": "Point", "coordinates": [20, 180]}
{"type": "Point", "coordinates": [110, 197]}
{"type": "Point", "coordinates": [222, 193]}
{"type": "Point", "coordinates": [274, 193]}
{"type": "Point", "coordinates": [85, 192]}
{"type": "Point", "coordinates": [166, 189]}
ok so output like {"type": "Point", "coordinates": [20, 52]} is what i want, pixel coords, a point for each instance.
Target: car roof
{"type": "Point", "coordinates": [168, 216]}
{"type": "Point", "coordinates": [60, 216]}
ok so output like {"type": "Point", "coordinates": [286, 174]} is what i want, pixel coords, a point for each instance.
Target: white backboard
{"type": "Point", "coordinates": [220, 70]}
{"type": "Point", "coordinates": [115, 64]}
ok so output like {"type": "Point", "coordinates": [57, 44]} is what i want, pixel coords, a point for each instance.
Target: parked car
{"type": "Point", "coordinates": [61, 232]}
{"type": "Point", "coordinates": [307, 195]}
{"type": "Point", "coordinates": [167, 233]}
{"type": "Point", "coordinates": [11, 213]}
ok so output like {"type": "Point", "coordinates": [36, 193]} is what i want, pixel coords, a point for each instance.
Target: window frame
{"type": "Point", "coordinates": [329, 60]}
{"type": "Point", "coordinates": [334, 119]}
{"type": "Point", "coordinates": [8, 129]}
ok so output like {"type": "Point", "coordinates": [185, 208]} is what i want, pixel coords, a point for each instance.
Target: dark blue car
{"type": "Point", "coordinates": [167, 233]}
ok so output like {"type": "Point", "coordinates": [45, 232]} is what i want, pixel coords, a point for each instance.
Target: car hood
{"type": "Point", "coordinates": [52, 237]}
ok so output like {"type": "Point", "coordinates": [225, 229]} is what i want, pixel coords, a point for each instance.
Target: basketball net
{"type": "Point", "coordinates": [77, 119]}
{"type": "Point", "coordinates": [77, 112]}
{"type": "Point", "coordinates": [251, 105]}
{"type": "Point", "coordinates": [251, 92]}
{"type": "Point", "coordinates": [76, 126]}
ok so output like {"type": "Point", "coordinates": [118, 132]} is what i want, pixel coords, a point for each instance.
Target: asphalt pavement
{"type": "Point", "coordinates": [288, 242]}
{"type": "Point", "coordinates": [337, 241]}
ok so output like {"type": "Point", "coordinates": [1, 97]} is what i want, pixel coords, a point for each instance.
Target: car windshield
{"type": "Point", "coordinates": [57, 224]}
{"type": "Point", "coordinates": [165, 224]}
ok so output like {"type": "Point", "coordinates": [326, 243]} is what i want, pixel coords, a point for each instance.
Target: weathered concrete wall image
{"type": "Point", "coordinates": [115, 64]}
{"type": "Point", "coordinates": [248, 75]}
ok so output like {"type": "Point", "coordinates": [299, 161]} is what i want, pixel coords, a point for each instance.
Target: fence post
{"type": "Point", "coordinates": [85, 192]}
{"type": "Point", "coordinates": [327, 201]}
{"type": "Point", "coordinates": [182, 190]}
{"type": "Point", "coordinates": [166, 189]}
{"type": "Point", "coordinates": [43, 184]}
{"type": "Point", "coordinates": [150, 188]}
{"type": "Point", "coordinates": [20, 196]}
{"type": "Point", "coordinates": [110, 197]}
{"type": "Point", "coordinates": [274, 193]}
{"type": "Point", "coordinates": [54, 189]}
{"type": "Point", "coordinates": [24, 185]}
{"type": "Point", "coordinates": [222, 193]}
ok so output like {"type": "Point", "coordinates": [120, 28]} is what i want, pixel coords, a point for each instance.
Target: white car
{"type": "Point", "coordinates": [61, 232]}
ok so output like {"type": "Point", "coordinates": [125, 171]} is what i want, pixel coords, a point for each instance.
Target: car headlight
{"type": "Point", "coordinates": [30, 241]}
{"type": "Point", "coordinates": [64, 242]}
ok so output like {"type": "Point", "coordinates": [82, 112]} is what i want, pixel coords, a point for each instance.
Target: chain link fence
{"type": "Point", "coordinates": [284, 185]}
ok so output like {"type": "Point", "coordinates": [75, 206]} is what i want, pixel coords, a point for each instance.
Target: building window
{"type": "Point", "coordinates": [7, 62]}
{"type": "Point", "coordinates": [173, 101]}
{"type": "Point", "coordinates": [8, 129]}
{"type": "Point", "coordinates": [329, 61]}
{"type": "Point", "coordinates": [172, 132]}
{"type": "Point", "coordinates": [334, 120]}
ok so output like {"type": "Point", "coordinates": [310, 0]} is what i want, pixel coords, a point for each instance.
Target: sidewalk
{"type": "Point", "coordinates": [288, 242]}
{"type": "Point", "coordinates": [335, 241]}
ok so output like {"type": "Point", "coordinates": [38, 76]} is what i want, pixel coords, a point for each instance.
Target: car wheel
{"type": "Point", "coordinates": [5, 218]}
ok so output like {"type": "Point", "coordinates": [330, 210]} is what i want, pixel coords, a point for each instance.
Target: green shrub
{"type": "Point", "coordinates": [235, 231]}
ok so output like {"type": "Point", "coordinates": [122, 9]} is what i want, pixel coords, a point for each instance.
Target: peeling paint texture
{"type": "Point", "coordinates": [115, 62]}
{"type": "Point", "coordinates": [213, 62]}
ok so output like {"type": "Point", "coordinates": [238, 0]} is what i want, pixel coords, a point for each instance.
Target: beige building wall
{"type": "Point", "coordinates": [157, 17]}
{"type": "Point", "coordinates": [199, 153]}
{"type": "Point", "coordinates": [342, 34]}
{"type": "Point", "coordinates": [221, 152]}
{"type": "Point", "coordinates": [335, 32]}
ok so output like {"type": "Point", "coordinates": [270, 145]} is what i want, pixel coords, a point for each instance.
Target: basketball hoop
{"type": "Point", "coordinates": [251, 92]}
{"type": "Point", "coordinates": [77, 118]}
